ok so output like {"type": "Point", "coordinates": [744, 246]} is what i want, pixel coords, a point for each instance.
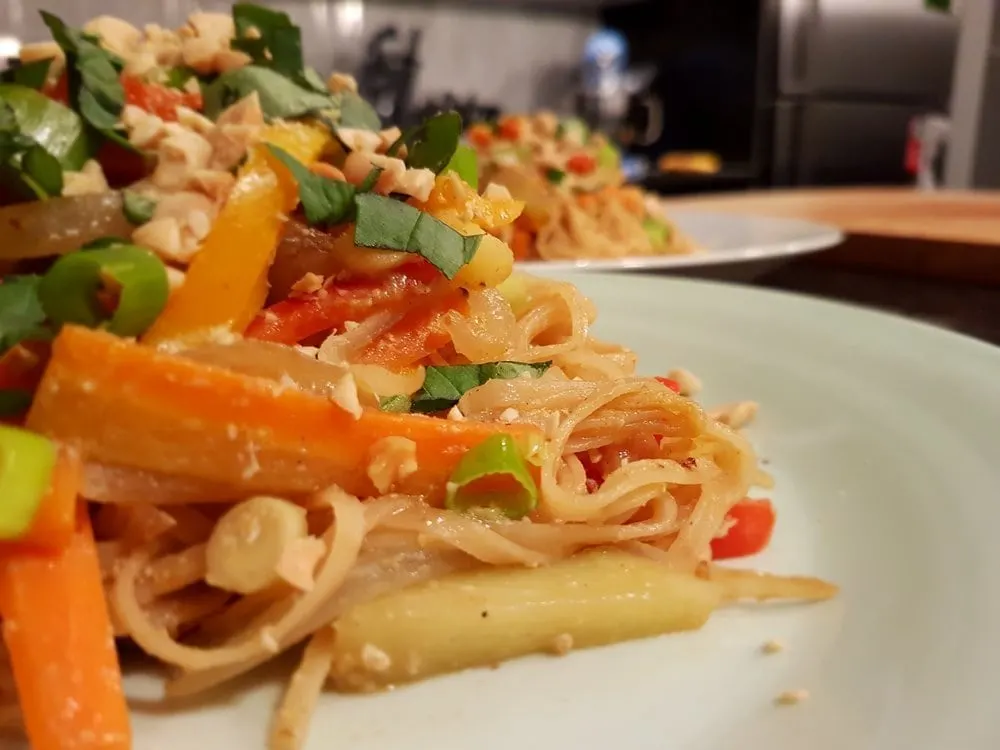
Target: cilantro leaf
{"type": "Point", "coordinates": [33, 74]}
{"type": "Point", "coordinates": [95, 89]}
{"type": "Point", "coordinates": [388, 224]}
{"type": "Point", "coordinates": [326, 202]}
{"type": "Point", "coordinates": [444, 386]}
{"type": "Point", "coordinates": [432, 143]}
{"type": "Point", "coordinates": [138, 208]}
{"type": "Point", "coordinates": [21, 314]}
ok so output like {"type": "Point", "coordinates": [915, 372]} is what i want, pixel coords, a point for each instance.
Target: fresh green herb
{"type": "Point", "coordinates": [43, 169]}
{"type": "Point", "coordinates": [399, 404]}
{"type": "Point", "coordinates": [21, 315]}
{"type": "Point", "coordinates": [354, 112]}
{"type": "Point", "coordinates": [493, 475]}
{"type": "Point", "coordinates": [388, 224]}
{"type": "Point", "coordinates": [26, 463]}
{"type": "Point", "coordinates": [69, 291]}
{"type": "Point", "coordinates": [444, 386]}
{"type": "Point", "coordinates": [280, 97]}
{"type": "Point", "coordinates": [555, 176]}
{"type": "Point", "coordinates": [270, 39]}
{"type": "Point", "coordinates": [54, 127]}
{"type": "Point", "coordinates": [138, 208]}
{"type": "Point", "coordinates": [14, 401]}
{"type": "Point", "coordinates": [368, 184]}
{"type": "Point", "coordinates": [326, 202]}
{"type": "Point", "coordinates": [465, 164]}
{"type": "Point", "coordinates": [177, 77]}
{"type": "Point", "coordinates": [95, 90]}
{"type": "Point", "coordinates": [432, 143]}
{"type": "Point", "coordinates": [657, 232]}
{"type": "Point", "coordinates": [33, 74]}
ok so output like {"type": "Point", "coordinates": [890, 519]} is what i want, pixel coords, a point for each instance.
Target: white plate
{"type": "Point", "coordinates": [882, 434]}
{"type": "Point", "coordinates": [725, 239]}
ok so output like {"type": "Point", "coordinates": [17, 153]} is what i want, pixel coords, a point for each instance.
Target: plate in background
{"type": "Point", "coordinates": [733, 247]}
{"type": "Point", "coordinates": [882, 436]}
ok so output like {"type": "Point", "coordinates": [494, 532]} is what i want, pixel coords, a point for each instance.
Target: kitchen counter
{"type": "Point", "coordinates": [932, 256]}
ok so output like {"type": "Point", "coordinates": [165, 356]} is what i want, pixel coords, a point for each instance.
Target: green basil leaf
{"type": "Point", "coordinates": [399, 404]}
{"type": "Point", "coordinates": [432, 143]}
{"type": "Point", "coordinates": [351, 111]}
{"type": "Point", "coordinates": [21, 315]}
{"type": "Point", "coordinates": [95, 89]}
{"type": "Point", "coordinates": [54, 127]}
{"type": "Point", "coordinates": [555, 176]}
{"type": "Point", "coordinates": [389, 224]}
{"type": "Point", "coordinates": [496, 457]}
{"type": "Point", "coordinates": [444, 386]}
{"type": "Point", "coordinates": [325, 202]}
{"type": "Point", "coordinates": [177, 78]}
{"type": "Point", "coordinates": [279, 42]}
{"type": "Point", "coordinates": [138, 208]}
{"type": "Point", "coordinates": [32, 75]}
{"type": "Point", "coordinates": [44, 169]}
{"type": "Point", "coordinates": [465, 164]}
{"type": "Point", "coordinates": [313, 80]}
{"type": "Point", "coordinates": [280, 97]}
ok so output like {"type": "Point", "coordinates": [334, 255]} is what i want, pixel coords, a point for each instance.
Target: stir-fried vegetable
{"type": "Point", "coordinates": [26, 462]}
{"type": "Point", "coordinates": [57, 129]}
{"type": "Point", "coordinates": [130, 405]}
{"type": "Point", "coordinates": [21, 315]}
{"type": "Point", "coordinates": [58, 633]}
{"type": "Point", "coordinates": [70, 292]}
{"type": "Point", "coordinates": [54, 521]}
{"type": "Point", "coordinates": [418, 334]}
{"type": "Point", "coordinates": [493, 475]}
{"type": "Point", "coordinates": [60, 225]}
{"type": "Point", "coordinates": [226, 284]}
{"type": "Point", "coordinates": [752, 526]}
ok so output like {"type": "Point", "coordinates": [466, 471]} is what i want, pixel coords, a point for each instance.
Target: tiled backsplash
{"type": "Point", "coordinates": [514, 58]}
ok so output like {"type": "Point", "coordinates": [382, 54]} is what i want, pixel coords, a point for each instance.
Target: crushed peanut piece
{"type": "Point", "coordinates": [773, 647]}
{"type": "Point", "coordinates": [562, 644]}
{"type": "Point", "coordinates": [392, 459]}
{"type": "Point", "coordinates": [792, 697]}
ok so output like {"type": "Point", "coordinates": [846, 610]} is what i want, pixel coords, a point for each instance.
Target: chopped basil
{"type": "Point", "coordinates": [33, 74]}
{"type": "Point", "coordinates": [43, 169]}
{"type": "Point", "coordinates": [555, 176]}
{"type": "Point", "coordinates": [398, 404]}
{"type": "Point", "coordinates": [21, 315]}
{"type": "Point", "coordinates": [95, 90]}
{"type": "Point", "coordinates": [271, 40]}
{"type": "Point", "coordinates": [326, 202]}
{"type": "Point", "coordinates": [54, 127]}
{"type": "Point", "coordinates": [354, 112]}
{"type": "Point", "coordinates": [432, 143]}
{"type": "Point", "coordinates": [177, 78]}
{"type": "Point", "coordinates": [444, 386]}
{"type": "Point", "coordinates": [368, 184]}
{"type": "Point", "coordinates": [388, 224]}
{"type": "Point", "coordinates": [280, 97]}
{"type": "Point", "coordinates": [465, 164]}
{"type": "Point", "coordinates": [138, 208]}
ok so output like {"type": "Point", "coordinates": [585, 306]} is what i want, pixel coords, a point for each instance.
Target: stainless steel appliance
{"type": "Point", "coordinates": [790, 92]}
{"type": "Point", "coordinates": [850, 76]}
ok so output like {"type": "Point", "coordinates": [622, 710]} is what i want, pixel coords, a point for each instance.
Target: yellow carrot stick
{"type": "Point", "coordinates": [129, 405]}
{"type": "Point", "coordinates": [226, 284]}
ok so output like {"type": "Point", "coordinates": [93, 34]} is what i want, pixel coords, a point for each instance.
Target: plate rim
{"type": "Point", "coordinates": [824, 236]}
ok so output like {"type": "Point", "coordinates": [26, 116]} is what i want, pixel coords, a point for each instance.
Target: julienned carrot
{"type": "Point", "coordinates": [58, 633]}
{"type": "Point", "coordinates": [55, 522]}
{"type": "Point", "coordinates": [419, 333]}
{"type": "Point", "coordinates": [226, 284]}
{"type": "Point", "coordinates": [130, 405]}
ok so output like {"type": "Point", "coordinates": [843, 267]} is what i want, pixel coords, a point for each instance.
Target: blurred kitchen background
{"type": "Point", "coordinates": [776, 92]}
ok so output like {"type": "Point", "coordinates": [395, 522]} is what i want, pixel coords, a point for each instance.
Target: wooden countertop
{"type": "Point", "coordinates": [946, 234]}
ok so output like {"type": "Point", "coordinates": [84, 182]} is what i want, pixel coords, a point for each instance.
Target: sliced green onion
{"type": "Point", "coordinates": [465, 164]}
{"type": "Point", "coordinates": [26, 463]}
{"type": "Point", "coordinates": [138, 208]}
{"type": "Point", "coordinates": [502, 475]}
{"type": "Point", "coordinates": [69, 292]}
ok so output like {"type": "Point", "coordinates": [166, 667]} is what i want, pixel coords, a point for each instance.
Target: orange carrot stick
{"type": "Point", "coordinates": [55, 521]}
{"type": "Point", "coordinates": [62, 651]}
{"type": "Point", "coordinates": [419, 333]}
{"type": "Point", "coordinates": [129, 405]}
